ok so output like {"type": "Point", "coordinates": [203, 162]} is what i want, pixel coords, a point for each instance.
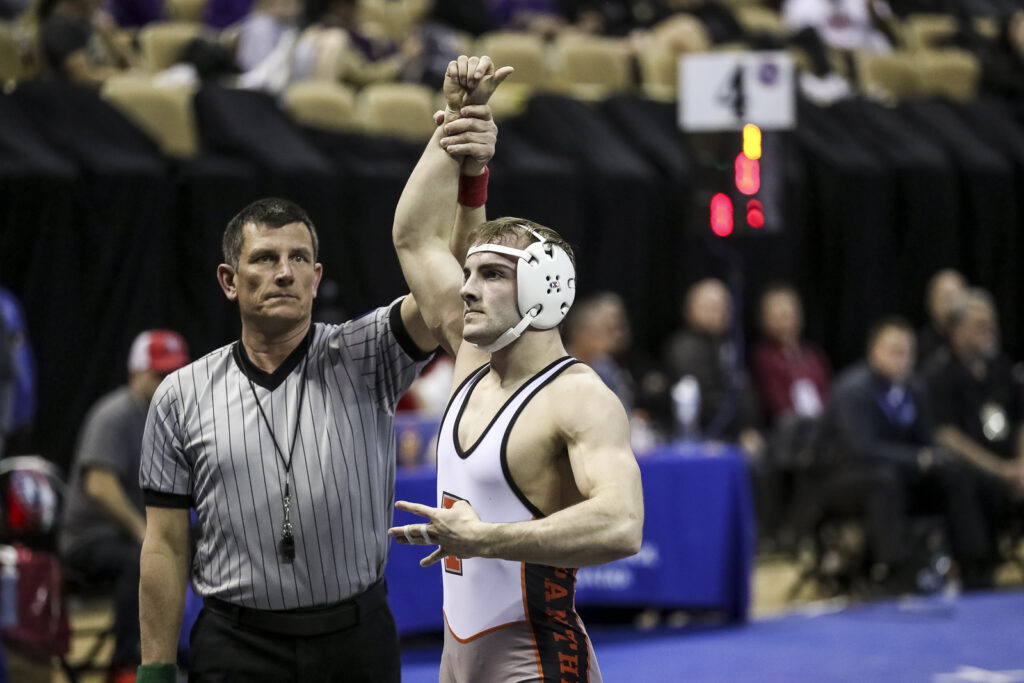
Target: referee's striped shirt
{"type": "Point", "coordinates": [207, 446]}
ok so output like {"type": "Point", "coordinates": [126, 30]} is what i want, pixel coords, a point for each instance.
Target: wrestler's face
{"type": "Point", "coordinates": [489, 294]}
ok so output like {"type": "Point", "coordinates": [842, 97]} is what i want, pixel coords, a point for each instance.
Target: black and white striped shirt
{"type": "Point", "coordinates": [207, 446]}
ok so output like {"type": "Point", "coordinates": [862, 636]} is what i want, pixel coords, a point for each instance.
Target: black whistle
{"type": "Point", "coordinates": [287, 548]}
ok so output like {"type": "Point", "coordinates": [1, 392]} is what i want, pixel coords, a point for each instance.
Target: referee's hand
{"type": "Point", "coordinates": [456, 531]}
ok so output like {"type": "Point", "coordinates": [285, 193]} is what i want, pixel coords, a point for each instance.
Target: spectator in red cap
{"type": "Point", "coordinates": [104, 520]}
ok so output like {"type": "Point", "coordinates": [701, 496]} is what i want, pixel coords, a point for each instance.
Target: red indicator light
{"type": "Point", "coordinates": [755, 214]}
{"type": "Point", "coordinates": [721, 215]}
{"type": "Point", "coordinates": [748, 174]}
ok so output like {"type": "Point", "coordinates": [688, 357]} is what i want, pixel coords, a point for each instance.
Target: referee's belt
{"type": "Point", "coordinates": [304, 621]}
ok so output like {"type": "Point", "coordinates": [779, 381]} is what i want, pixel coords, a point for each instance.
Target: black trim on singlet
{"type": "Point", "coordinates": [503, 453]}
{"type": "Point", "coordinates": [271, 380]}
{"type": "Point", "coordinates": [447, 408]}
{"type": "Point", "coordinates": [403, 337]}
{"type": "Point", "coordinates": [458, 418]}
{"type": "Point", "coordinates": [160, 499]}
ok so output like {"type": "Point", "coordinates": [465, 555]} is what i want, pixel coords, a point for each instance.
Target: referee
{"type": "Point", "coordinates": [283, 442]}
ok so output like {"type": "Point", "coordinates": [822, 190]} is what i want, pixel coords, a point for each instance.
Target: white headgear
{"type": "Point", "coordinates": [546, 284]}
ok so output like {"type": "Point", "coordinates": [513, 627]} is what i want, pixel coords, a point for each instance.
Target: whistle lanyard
{"type": "Point", "coordinates": [287, 545]}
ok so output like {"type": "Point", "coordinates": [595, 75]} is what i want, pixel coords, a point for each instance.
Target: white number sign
{"type": "Point", "coordinates": [725, 90]}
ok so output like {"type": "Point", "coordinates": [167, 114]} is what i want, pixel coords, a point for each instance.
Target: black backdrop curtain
{"type": "Point", "coordinates": [101, 237]}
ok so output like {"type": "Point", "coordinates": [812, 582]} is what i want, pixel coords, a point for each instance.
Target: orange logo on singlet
{"type": "Point", "coordinates": [452, 564]}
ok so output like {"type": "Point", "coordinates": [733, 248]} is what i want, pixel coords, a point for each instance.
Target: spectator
{"type": "Point", "coordinates": [823, 28]}
{"type": "Point", "coordinates": [943, 289]}
{"type": "Point", "coordinates": [846, 25]}
{"type": "Point", "coordinates": [221, 14]}
{"type": "Point", "coordinates": [979, 410]}
{"type": "Point", "coordinates": [887, 464]}
{"type": "Point", "coordinates": [546, 18]}
{"type": "Point", "coordinates": [104, 524]}
{"type": "Point", "coordinates": [135, 13]}
{"type": "Point", "coordinates": [271, 53]}
{"type": "Point", "coordinates": [792, 377]}
{"type": "Point", "coordinates": [597, 333]}
{"type": "Point", "coordinates": [78, 44]}
{"type": "Point", "coordinates": [365, 58]}
{"type": "Point", "coordinates": [728, 406]}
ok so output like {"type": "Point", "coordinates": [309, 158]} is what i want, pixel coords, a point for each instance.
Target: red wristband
{"type": "Point", "coordinates": [473, 189]}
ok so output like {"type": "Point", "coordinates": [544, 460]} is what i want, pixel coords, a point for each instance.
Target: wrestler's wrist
{"type": "Point", "coordinates": [156, 673]}
{"type": "Point", "coordinates": [486, 539]}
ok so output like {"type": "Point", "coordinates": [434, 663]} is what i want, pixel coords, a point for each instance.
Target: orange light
{"type": "Point", "coordinates": [721, 215]}
{"type": "Point", "coordinates": [755, 214]}
{"type": "Point", "coordinates": [752, 142]}
{"type": "Point", "coordinates": [748, 174]}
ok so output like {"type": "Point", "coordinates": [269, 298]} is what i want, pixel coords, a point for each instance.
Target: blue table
{"type": "Point", "coordinates": [697, 552]}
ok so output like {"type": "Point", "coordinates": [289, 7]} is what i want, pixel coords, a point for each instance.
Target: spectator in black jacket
{"type": "Point", "coordinates": [888, 466]}
{"type": "Point", "coordinates": [980, 411]}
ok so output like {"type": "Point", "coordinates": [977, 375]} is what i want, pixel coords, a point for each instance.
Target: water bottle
{"type": "Point", "coordinates": [8, 587]}
{"type": "Point", "coordinates": [686, 406]}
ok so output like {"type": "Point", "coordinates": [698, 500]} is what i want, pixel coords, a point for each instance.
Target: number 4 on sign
{"type": "Point", "coordinates": [732, 94]}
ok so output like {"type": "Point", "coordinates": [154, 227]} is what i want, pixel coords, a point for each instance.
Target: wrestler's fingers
{"type": "Point", "coordinates": [473, 72]}
{"type": "Point", "coordinates": [474, 111]}
{"type": "Point", "coordinates": [501, 74]}
{"type": "Point", "coordinates": [466, 150]}
{"type": "Point", "coordinates": [467, 139]}
{"type": "Point", "coordinates": [415, 508]}
{"type": "Point", "coordinates": [434, 557]}
{"type": "Point", "coordinates": [484, 67]}
{"type": "Point", "coordinates": [439, 117]}
{"type": "Point", "coordinates": [463, 69]}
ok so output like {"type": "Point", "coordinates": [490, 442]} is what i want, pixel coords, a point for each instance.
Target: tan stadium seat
{"type": "Point", "coordinates": [322, 104]}
{"type": "Point", "coordinates": [524, 51]}
{"type": "Point", "coordinates": [986, 27]}
{"type": "Point", "coordinates": [399, 110]}
{"type": "Point", "coordinates": [162, 43]}
{"type": "Point", "coordinates": [949, 73]}
{"type": "Point", "coordinates": [924, 31]}
{"type": "Point", "coordinates": [392, 18]}
{"type": "Point", "coordinates": [164, 113]}
{"type": "Point", "coordinates": [659, 62]}
{"type": "Point", "coordinates": [591, 67]}
{"type": "Point", "coordinates": [888, 77]}
{"type": "Point", "coordinates": [755, 19]}
{"type": "Point", "coordinates": [185, 10]}
{"type": "Point", "coordinates": [10, 62]}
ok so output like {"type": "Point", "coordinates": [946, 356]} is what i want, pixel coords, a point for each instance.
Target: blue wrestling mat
{"type": "Point", "coordinates": [977, 637]}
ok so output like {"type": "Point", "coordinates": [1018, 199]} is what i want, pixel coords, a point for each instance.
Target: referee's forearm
{"type": "Point", "coordinates": [163, 577]}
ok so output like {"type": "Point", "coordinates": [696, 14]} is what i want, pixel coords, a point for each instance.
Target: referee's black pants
{"type": "Point", "coordinates": [226, 650]}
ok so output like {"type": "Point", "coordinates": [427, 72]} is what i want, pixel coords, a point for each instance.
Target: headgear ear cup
{"type": "Point", "coordinates": [546, 286]}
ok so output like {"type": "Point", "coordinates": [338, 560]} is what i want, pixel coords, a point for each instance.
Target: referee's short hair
{"type": "Point", "coordinates": [271, 212]}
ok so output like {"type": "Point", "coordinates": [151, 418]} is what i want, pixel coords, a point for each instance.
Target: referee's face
{"type": "Point", "coordinates": [276, 280]}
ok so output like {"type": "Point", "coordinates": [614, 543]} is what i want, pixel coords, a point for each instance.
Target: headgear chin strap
{"type": "Point", "coordinates": [546, 284]}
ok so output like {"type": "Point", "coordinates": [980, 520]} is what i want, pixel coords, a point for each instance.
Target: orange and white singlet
{"type": "Point", "coordinates": [506, 621]}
